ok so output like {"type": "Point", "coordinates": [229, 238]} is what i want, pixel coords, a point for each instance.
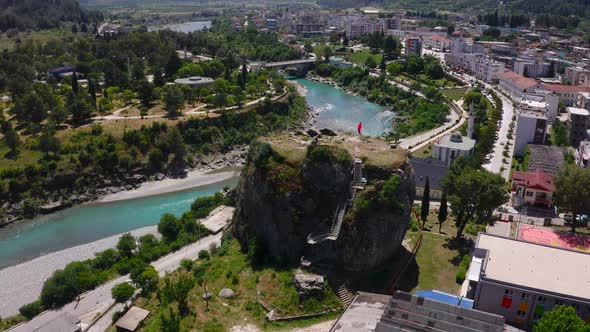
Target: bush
{"type": "Point", "coordinates": [32, 309]}
{"type": "Point", "coordinates": [463, 266]}
{"type": "Point", "coordinates": [204, 254]}
{"type": "Point", "coordinates": [202, 206]}
{"type": "Point", "coordinates": [186, 264]}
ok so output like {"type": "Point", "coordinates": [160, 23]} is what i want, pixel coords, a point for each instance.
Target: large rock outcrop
{"type": "Point", "coordinates": [290, 188]}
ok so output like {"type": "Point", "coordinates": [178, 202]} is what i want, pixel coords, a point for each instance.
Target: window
{"type": "Point", "coordinates": [524, 296]}
{"type": "Point", "coordinates": [558, 302]}
{"type": "Point", "coordinates": [520, 313]}
{"type": "Point", "coordinates": [508, 292]}
{"type": "Point", "coordinates": [541, 299]}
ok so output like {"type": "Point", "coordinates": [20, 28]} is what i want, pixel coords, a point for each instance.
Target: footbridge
{"type": "Point", "coordinates": [299, 65]}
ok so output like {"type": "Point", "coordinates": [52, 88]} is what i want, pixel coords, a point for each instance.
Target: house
{"type": "Point", "coordinates": [516, 86]}
{"type": "Point", "coordinates": [532, 188]}
{"type": "Point", "coordinates": [531, 127]}
{"type": "Point", "coordinates": [451, 146]}
{"type": "Point", "coordinates": [413, 46]}
{"type": "Point", "coordinates": [132, 318]}
{"type": "Point", "coordinates": [434, 170]}
{"type": "Point", "coordinates": [577, 123]}
{"type": "Point", "coordinates": [522, 280]}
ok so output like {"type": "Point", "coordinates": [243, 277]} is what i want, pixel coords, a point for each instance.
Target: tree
{"type": "Point", "coordinates": [145, 92]}
{"type": "Point", "coordinates": [126, 245]}
{"type": "Point", "coordinates": [560, 319]}
{"type": "Point", "coordinates": [327, 54]}
{"type": "Point", "coordinates": [371, 62]}
{"type": "Point", "coordinates": [425, 208]}
{"type": "Point", "coordinates": [382, 65]}
{"type": "Point", "coordinates": [345, 41]}
{"type": "Point", "coordinates": [169, 227]}
{"type": "Point", "coordinates": [473, 194]}
{"type": "Point", "coordinates": [443, 211]}
{"type": "Point", "coordinates": [148, 279]}
{"type": "Point", "coordinates": [450, 29]}
{"type": "Point", "coordinates": [74, 28]}
{"type": "Point", "coordinates": [92, 91]}
{"type": "Point", "coordinates": [173, 65]}
{"type": "Point", "coordinates": [80, 109]}
{"type": "Point", "coordinates": [122, 292]}
{"type": "Point", "coordinates": [158, 79]}
{"type": "Point", "coordinates": [572, 191]}
{"type": "Point", "coordinates": [49, 143]}
{"type": "Point", "coordinates": [173, 100]}
{"type": "Point", "coordinates": [12, 139]}
{"type": "Point", "coordinates": [391, 48]}
{"type": "Point", "coordinates": [244, 76]}
{"type": "Point", "coordinates": [74, 83]}
{"type": "Point", "coordinates": [29, 109]}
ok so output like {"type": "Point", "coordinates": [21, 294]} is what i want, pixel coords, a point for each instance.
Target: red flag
{"type": "Point", "coordinates": [360, 128]}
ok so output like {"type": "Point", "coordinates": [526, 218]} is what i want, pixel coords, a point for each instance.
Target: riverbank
{"type": "Point", "coordinates": [21, 284]}
{"type": "Point", "coordinates": [192, 179]}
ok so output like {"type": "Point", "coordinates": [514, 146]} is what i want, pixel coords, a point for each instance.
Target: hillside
{"type": "Point", "coordinates": [41, 14]}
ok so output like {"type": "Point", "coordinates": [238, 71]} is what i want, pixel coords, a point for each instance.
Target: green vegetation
{"type": "Point", "coordinates": [463, 267]}
{"type": "Point", "coordinates": [559, 134]}
{"type": "Point", "coordinates": [454, 94]}
{"type": "Point", "coordinates": [122, 292]}
{"type": "Point", "coordinates": [40, 14]}
{"type": "Point", "coordinates": [179, 294]}
{"type": "Point", "coordinates": [561, 318]}
{"type": "Point", "coordinates": [361, 57]}
{"type": "Point", "coordinates": [379, 195]}
{"type": "Point", "coordinates": [572, 193]}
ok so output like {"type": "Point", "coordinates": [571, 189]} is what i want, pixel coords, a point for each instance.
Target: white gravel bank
{"type": "Point", "coordinates": [22, 284]}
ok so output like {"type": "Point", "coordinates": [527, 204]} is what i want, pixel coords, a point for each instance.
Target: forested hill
{"type": "Point", "coordinates": [556, 7]}
{"type": "Point", "coordinates": [42, 14]}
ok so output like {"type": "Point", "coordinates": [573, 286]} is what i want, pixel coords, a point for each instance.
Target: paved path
{"type": "Point", "coordinates": [496, 162]}
{"type": "Point", "coordinates": [97, 300]}
{"type": "Point", "coordinates": [499, 228]}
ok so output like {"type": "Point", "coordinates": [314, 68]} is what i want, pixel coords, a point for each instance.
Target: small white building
{"type": "Point", "coordinates": [451, 146]}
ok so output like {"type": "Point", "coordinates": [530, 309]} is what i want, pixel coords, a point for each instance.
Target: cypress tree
{"type": "Point", "coordinates": [74, 83]}
{"type": "Point", "coordinates": [425, 202]}
{"type": "Point", "coordinates": [442, 212]}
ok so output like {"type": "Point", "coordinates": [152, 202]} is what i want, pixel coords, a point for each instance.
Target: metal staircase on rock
{"type": "Point", "coordinates": [344, 296]}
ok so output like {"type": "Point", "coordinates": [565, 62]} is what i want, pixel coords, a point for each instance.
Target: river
{"type": "Point", "coordinates": [342, 111]}
{"type": "Point", "coordinates": [89, 222]}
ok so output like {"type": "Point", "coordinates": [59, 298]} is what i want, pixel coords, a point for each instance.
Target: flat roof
{"type": "Point", "coordinates": [465, 144]}
{"type": "Point", "coordinates": [536, 266]}
{"type": "Point", "coordinates": [218, 218]}
{"type": "Point", "coordinates": [193, 80]}
{"type": "Point", "coordinates": [132, 318]}
{"type": "Point", "coordinates": [363, 314]}
{"type": "Point", "coordinates": [578, 111]}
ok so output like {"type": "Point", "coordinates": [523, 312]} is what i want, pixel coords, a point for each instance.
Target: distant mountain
{"type": "Point", "coordinates": [42, 14]}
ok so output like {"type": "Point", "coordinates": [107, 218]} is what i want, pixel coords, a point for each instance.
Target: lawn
{"type": "Point", "coordinates": [454, 94]}
{"type": "Point", "coordinates": [360, 57]}
{"type": "Point", "coordinates": [24, 157]}
{"type": "Point", "coordinates": [437, 264]}
{"type": "Point", "coordinates": [42, 36]}
{"type": "Point", "coordinates": [423, 152]}
{"type": "Point", "coordinates": [230, 268]}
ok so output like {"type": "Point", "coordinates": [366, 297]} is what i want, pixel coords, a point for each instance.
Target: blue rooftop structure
{"type": "Point", "coordinates": [446, 298]}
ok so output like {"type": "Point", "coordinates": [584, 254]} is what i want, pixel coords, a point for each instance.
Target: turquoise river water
{"type": "Point", "coordinates": [341, 111]}
{"type": "Point", "coordinates": [89, 222]}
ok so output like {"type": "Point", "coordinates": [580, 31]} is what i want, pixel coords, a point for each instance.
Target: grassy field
{"type": "Point", "coordinates": [360, 57]}
{"type": "Point", "coordinates": [454, 94]}
{"type": "Point", "coordinates": [25, 156]}
{"type": "Point", "coordinates": [232, 269]}
{"type": "Point", "coordinates": [41, 36]}
{"type": "Point", "coordinates": [425, 151]}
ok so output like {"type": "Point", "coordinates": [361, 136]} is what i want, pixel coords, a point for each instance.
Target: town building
{"type": "Point", "coordinates": [568, 94]}
{"type": "Point", "coordinates": [67, 70]}
{"type": "Point", "coordinates": [412, 313]}
{"type": "Point", "coordinates": [541, 100]}
{"type": "Point", "coordinates": [434, 170]}
{"type": "Point", "coordinates": [521, 280]}
{"type": "Point", "coordinates": [451, 146]}
{"type": "Point", "coordinates": [470, 57]}
{"type": "Point", "coordinates": [195, 81]}
{"type": "Point", "coordinates": [437, 42]}
{"type": "Point", "coordinates": [576, 76]}
{"type": "Point", "coordinates": [577, 124]}
{"type": "Point", "coordinates": [413, 46]}
{"type": "Point", "coordinates": [533, 188]}
{"type": "Point", "coordinates": [516, 86]}
{"type": "Point", "coordinates": [531, 128]}
{"type": "Point", "coordinates": [531, 68]}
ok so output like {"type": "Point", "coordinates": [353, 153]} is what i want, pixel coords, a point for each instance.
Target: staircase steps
{"type": "Point", "coordinates": [344, 296]}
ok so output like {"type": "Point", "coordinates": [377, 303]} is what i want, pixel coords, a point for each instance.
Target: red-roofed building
{"type": "Point", "coordinates": [517, 85]}
{"type": "Point", "coordinates": [532, 188]}
{"type": "Point", "coordinates": [568, 94]}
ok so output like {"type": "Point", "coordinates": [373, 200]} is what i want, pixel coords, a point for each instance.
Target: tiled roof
{"type": "Point", "coordinates": [566, 88]}
{"type": "Point", "coordinates": [534, 180]}
{"type": "Point", "coordinates": [521, 81]}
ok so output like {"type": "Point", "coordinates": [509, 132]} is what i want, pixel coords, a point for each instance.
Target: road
{"type": "Point", "coordinates": [497, 161]}
{"type": "Point", "coordinates": [98, 300]}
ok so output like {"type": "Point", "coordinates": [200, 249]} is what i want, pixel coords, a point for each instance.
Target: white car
{"type": "Point", "coordinates": [488, 156]}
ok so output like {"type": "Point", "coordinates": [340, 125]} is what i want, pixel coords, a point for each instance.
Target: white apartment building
{"type": "Point", "coordinates": [531, 68]}
{"type": "Point", "coordinates": [516, 86]}
{"type": "Point", "coordinates": [576, 76]}
{"type": "Point", "coordinates": [531, 128]}
{"type": "Point", "coordinates": [470, 57]}
{"type": "Point", "coordinates": [437, 42]}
